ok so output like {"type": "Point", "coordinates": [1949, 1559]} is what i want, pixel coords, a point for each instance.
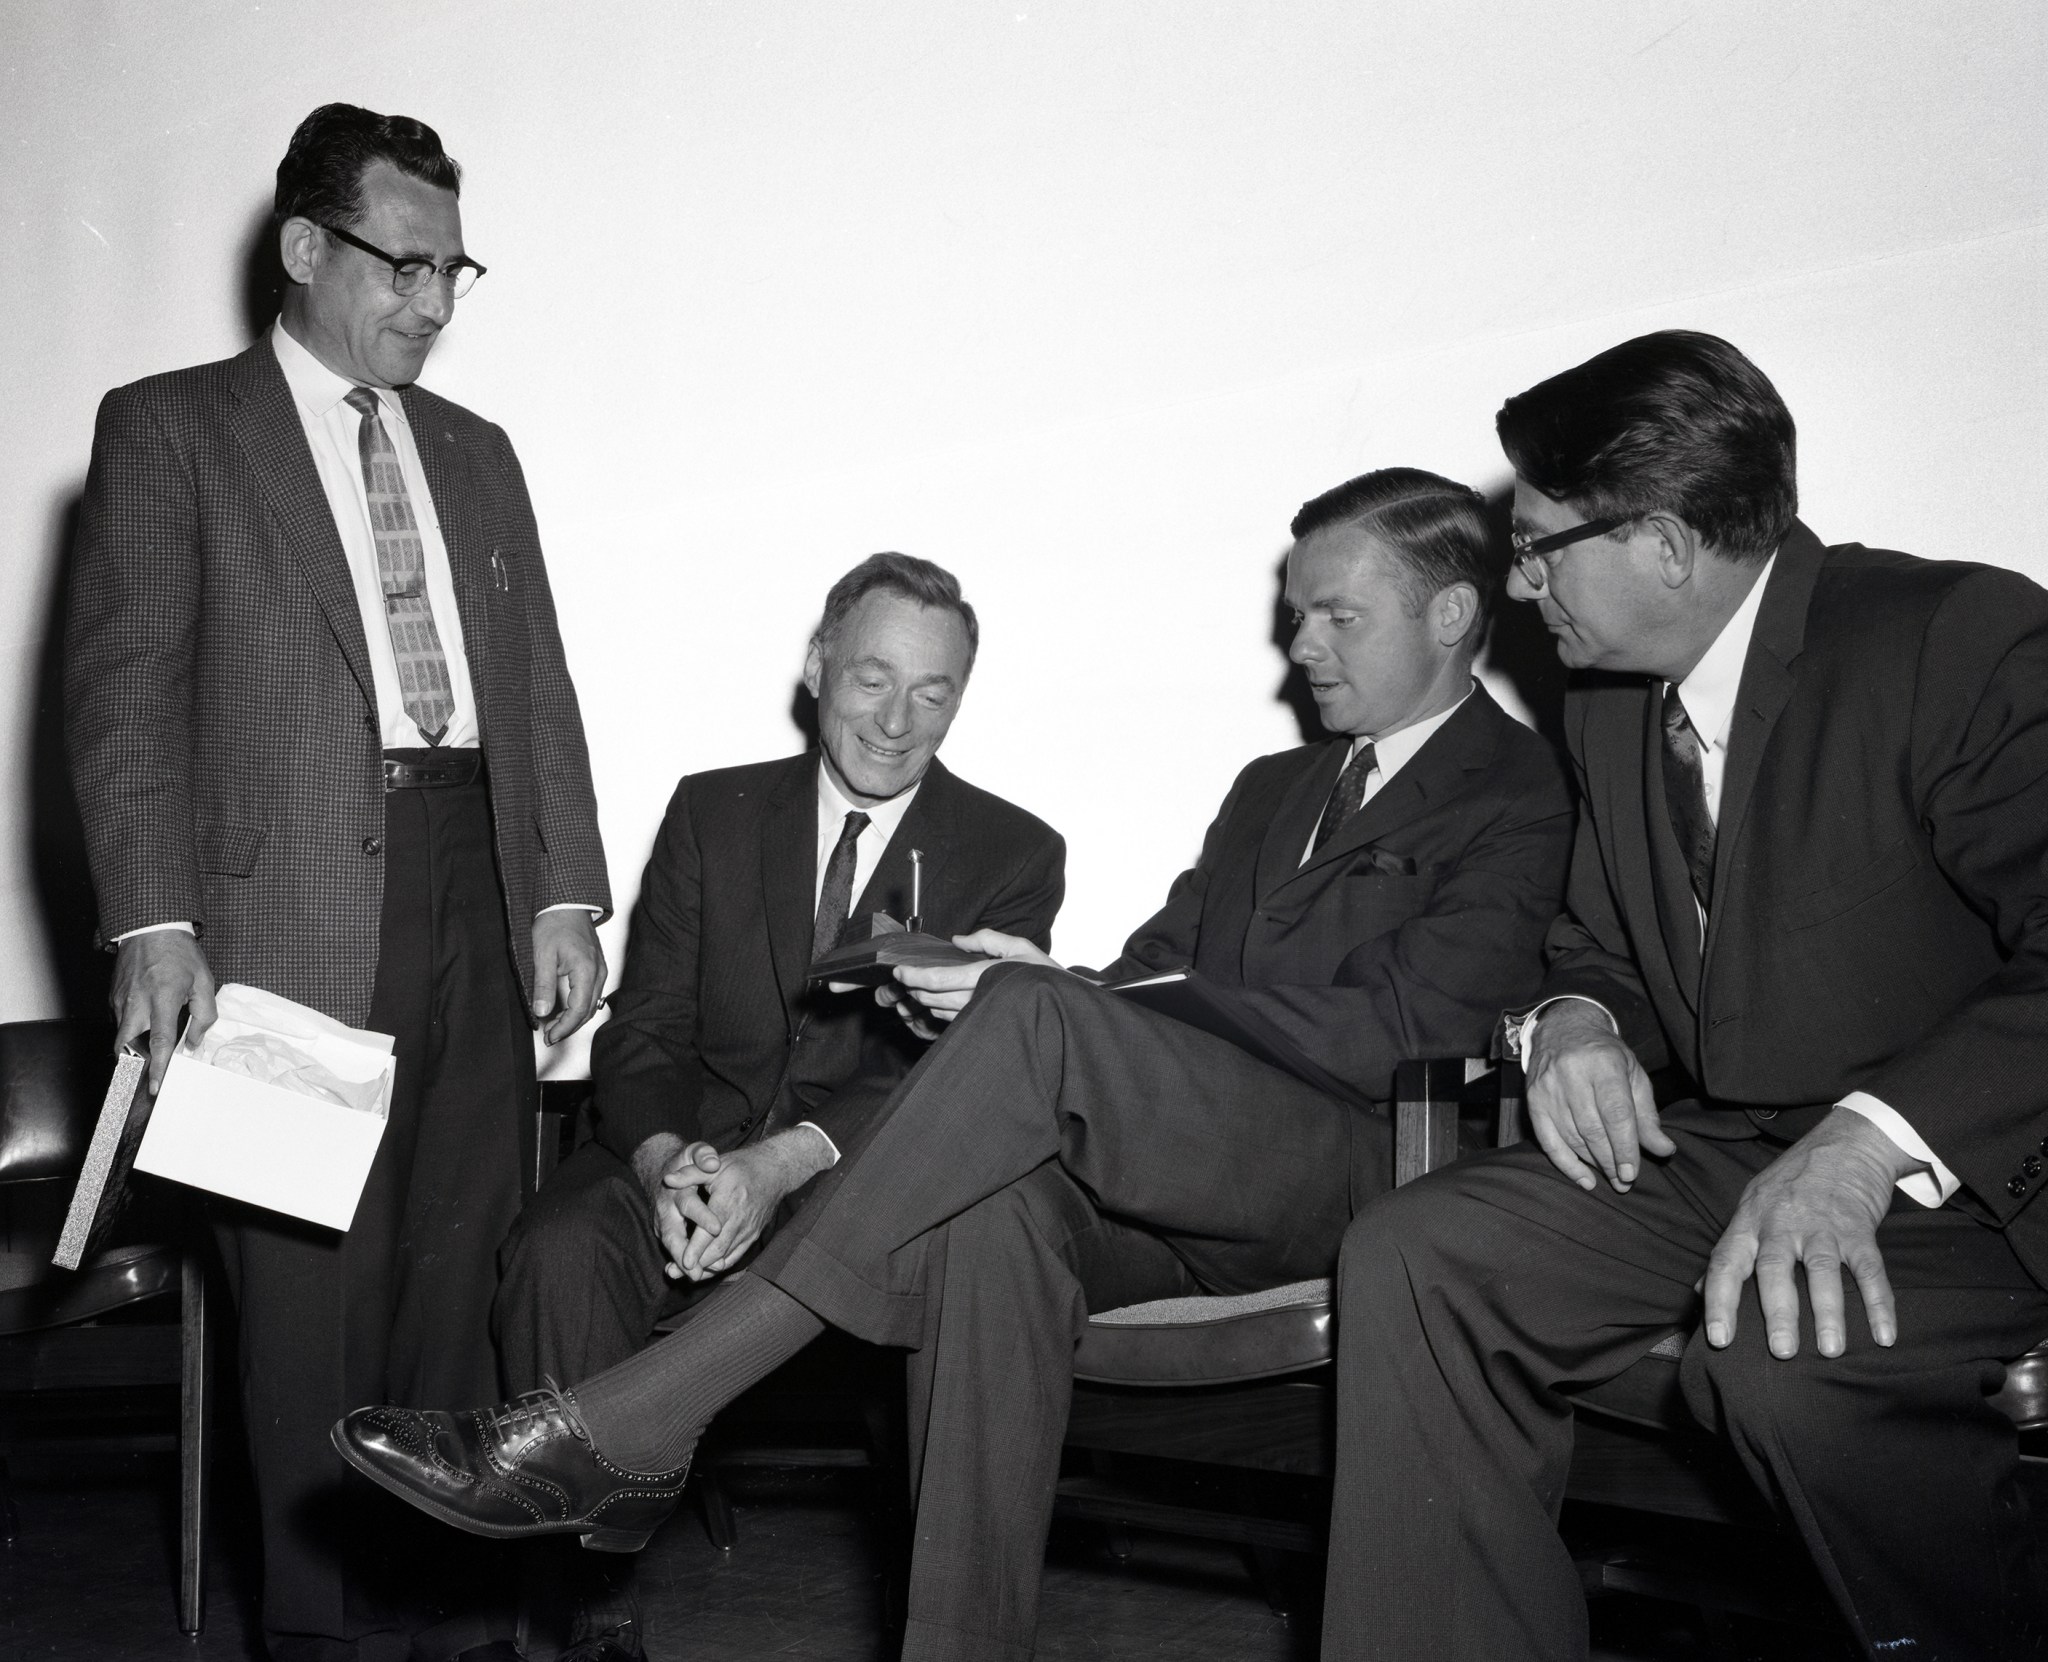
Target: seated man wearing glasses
{"type": "Point", "coordinates": [325, 743]}
{"type": "Point", "coordinates": [1795, 1027]}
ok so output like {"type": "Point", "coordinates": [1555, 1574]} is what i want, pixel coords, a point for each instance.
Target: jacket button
{"type": "Point", "coordinates": [2016, 1187]}
{"type": "Point", "coordinates": [2031, 1165]}
{"type": "Point", "coordinates": [373, 845]}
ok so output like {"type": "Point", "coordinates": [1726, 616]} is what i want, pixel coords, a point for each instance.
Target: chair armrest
{"type": "Point", "coordinates": [1432, 1098]}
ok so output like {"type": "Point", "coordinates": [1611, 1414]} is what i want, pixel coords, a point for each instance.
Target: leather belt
{"type": "Point", "coordinates": [425, 769]}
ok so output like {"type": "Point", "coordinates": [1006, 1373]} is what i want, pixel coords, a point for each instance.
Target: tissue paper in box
{"type": "Point", "coordinates": [275, 1104]}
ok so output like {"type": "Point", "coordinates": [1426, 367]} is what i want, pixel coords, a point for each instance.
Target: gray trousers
{"type": "Point", "coordinates": [1058, 1150]}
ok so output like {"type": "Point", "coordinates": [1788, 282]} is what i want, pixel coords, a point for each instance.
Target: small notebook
{"type": "Point", "coordinates": [102, 1192]}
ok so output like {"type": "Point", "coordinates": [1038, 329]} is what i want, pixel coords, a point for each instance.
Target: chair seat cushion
{"type": "Point", "coordinates": [1208, 1340]}
{"type": "Point", "coordinates": [33, 1295]}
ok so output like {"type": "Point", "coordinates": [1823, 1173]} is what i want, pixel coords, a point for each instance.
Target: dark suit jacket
{"type": "Point", "coordinates": [713, 1028]}
{"type": "Point", "coordinates": [1413, 924]}
{"type": "Point", "coordinates": [222, 721]}
{"type": "Point", "coordinates": [1880, 919]}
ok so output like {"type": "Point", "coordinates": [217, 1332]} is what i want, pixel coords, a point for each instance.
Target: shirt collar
{"type": "Point", "coordinates": [315, 388]}
{"type": "Point", "coordinates": [883, 817]}
{"type": "Point", "coordinates": [1393, 751]}
{"type": "Point", "coordinates": [1709, 692]}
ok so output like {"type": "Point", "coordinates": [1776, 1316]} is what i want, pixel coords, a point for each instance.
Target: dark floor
{"type": "Point", "coordinates": [90, 1576]}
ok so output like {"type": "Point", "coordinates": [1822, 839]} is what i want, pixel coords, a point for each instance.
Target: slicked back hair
{"type": "Point", "coordinates": [321, 176]}
{"type": "Point", "coordinates": [1676, 421]}
{"type": "Point", "coordinates": [899, 574]}
{"type": "Point", "coordinates": [1437, 528]}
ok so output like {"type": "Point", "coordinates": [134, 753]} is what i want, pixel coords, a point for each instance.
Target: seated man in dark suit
{"type": "Point", "coordinates": [1064, 1149]}
{"type": "Point", "coordinates": [1795, 1023]}
{"type": "Point", "coordinates": [722, 1082]}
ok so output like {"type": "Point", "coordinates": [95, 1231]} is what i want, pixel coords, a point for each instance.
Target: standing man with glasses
{"type": "Point", "coordinates": [325, 743]}
{"type": "Point", "coordinates": [1785, 1073]}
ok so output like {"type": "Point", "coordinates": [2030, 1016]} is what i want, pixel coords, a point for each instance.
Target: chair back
{"type": "Point", "coordinates": [53, 1075]}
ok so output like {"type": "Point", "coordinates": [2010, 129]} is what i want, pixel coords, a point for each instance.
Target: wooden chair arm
{"type": "Point", "coordinates": [1433, 1098]}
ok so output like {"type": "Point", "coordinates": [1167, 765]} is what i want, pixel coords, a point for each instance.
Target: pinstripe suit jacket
{"type": "Point", "coordinates": [222, 723]}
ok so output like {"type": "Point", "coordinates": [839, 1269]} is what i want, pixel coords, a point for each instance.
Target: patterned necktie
{"type": "Point", "coordinates": [1685, 795]}
{"type": "Point", "coordinates": [1345, 796]}
{"type": "Point", "coordinates": [402, 570]}
{"type": "Point", "coordinates": [837, 897]}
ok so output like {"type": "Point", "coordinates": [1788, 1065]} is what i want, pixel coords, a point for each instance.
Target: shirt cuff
{"type": "Point", "coordinates": [830, 1145]}
{"type": "Point", "coordinates": [575, 906]}
{"type": "Point", "coordinates": [155, 929]}
{"type": "Point", "coordinates": [1516, 1029]}
{"type": "Point", "coordinates": [1931, 1187]}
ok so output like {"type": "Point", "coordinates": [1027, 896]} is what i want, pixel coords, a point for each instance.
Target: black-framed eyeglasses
{"type": "Point", "coordinates": [1532, 553]}
{"type": "Point", "coordinates": [409, 276]}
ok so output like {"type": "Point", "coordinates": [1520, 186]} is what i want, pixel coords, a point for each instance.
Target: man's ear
{"type": "Point", "coordinates": [1678, 547]}
{"type": "Point", "coordinates": [300, 245]}
{"type": "Point", "coordinates": [814, 669]}
{"type": "Point", "coordinates": [1455, 612]}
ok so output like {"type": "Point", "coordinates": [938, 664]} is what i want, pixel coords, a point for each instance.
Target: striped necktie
{"type": "Point", "coordinates": [402, 571]}
{"type": "Point", "coordinates": [836, 900]}
{"type": "Point", "coordinates": [1685, 796]}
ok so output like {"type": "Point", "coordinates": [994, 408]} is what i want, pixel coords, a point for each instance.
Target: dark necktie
{"type": "Point", "coordinates": [402, 572]}
{"type": "Point", "coordinates": [837, 898]}
{"type": "Point", "coordinates": [1345, 797]}
{"type": "Point", "coordinates": [1685, 795]}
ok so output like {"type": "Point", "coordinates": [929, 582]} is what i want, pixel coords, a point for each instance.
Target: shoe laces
{"type": "Point", "coordinates": [532, 1410]}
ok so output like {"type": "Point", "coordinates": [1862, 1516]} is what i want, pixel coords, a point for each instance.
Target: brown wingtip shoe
{"type": "Point", "coordinates": [521, 1468]}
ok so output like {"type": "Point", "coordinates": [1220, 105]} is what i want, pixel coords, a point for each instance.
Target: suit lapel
{"type": "Point", "coordinates": [1288, 831]}
{"type": "Point", "coordinates": [1766, 687]}
{"type": "Point", "coordinates": [446, 466]}
{"type": "Point", "coordinates": [789, 874]}
{"type": "Point", "coordinates": [927, 824]}
{"type": "Point", "coordinates": [267, 425]}
{"type": "Point", "coordinates": [1432, 773]}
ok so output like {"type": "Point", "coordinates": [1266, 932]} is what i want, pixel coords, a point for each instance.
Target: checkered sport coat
{"type": "Point", "coordinates": [222, 724]}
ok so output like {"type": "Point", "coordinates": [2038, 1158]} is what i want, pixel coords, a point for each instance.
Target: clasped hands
{"type": "Point", "coordinates": [710, 1208]}
{"type": "Point", "coordinates": [1817, 1205]}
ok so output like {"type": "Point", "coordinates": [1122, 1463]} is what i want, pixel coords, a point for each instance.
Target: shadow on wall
{"type": "Point", "coordinates": [62, 878]}
{"type": "Point", "coordinates": [1518, 650]}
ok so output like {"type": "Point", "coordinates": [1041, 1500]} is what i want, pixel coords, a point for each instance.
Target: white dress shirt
{"type": "Point", "coordinates": [332, 431]}
{"type": "Point", "coordinates": [1708, 693]}
{"type": "Point", "coordinates": [1391, 753]}
{"type": "Point", "coordinates": [883, 818]}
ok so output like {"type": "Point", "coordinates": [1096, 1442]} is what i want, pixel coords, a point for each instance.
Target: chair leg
{"type": "Point", "coordinates": [194, 1432]}
{"type": "Point", "coordinates": [719, 1523]}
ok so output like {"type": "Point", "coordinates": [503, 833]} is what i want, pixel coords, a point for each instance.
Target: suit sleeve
{"type": "Point", "coordinates": [1029, 899]}
{"type": "Point", "coordinates": [1972, 1085]}
{"type": "Point", "coordinates": [135, 587]}
{"type": "Point", "coordinates": [572, 868]}
{"type": "Point", "coordinates": [1435, 984]}
{"type": "Point", "coordinates": [1587, 951]}
{"type": "Point", "coordinates": [644, 1059]}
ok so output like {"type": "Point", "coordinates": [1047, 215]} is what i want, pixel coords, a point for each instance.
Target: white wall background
{"type": "Point", "coordinates": [1079, 299]}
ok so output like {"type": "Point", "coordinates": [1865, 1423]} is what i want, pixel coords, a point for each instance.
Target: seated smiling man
{"type": "Point", "coordinates": [1061, 1149]}
{"type": "Point", "coordinates": [1793, 1025]}
{"type": "Point", "coordinates": [722, 1081]}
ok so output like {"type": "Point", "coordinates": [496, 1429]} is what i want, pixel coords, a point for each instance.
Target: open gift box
{"type": "Point", "coordinates": [274, 1104]}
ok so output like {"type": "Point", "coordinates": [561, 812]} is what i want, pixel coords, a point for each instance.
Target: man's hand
{"type": "Point", "coordinates": [653, 1160]}
{"type": "Point", "coordinates": [155, 976]}
{"type": "Point", "coordinates": [1818, 1204]}
{"type": "Point", "coordinates": [568, 970]}
{"type": "Point", "coordinates": [942, 992]}
{"type": "Point", "coordinates": [1589, 1098]}
{"type": "Point", "coordinates": [731, 1198]}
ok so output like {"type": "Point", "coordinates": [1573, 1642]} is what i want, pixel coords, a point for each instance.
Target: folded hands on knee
{"type": "Point", "coordinates": [710, 1208]}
